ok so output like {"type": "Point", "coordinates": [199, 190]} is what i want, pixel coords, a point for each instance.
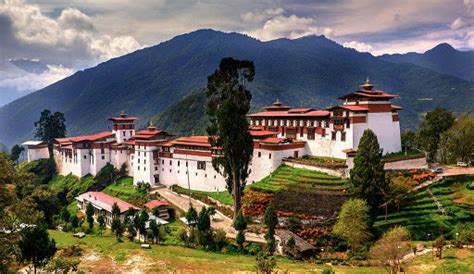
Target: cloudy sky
{"type": "Point", "coordinates": [44, 41]}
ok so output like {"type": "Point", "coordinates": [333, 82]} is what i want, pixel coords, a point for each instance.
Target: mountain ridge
{"type": "Point", "coordinates": [311, 70]}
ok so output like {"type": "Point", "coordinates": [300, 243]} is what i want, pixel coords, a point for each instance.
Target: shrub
{"type": "Point", "coordinates": [265, 263]}
{"type": "Point", "coordinates": [294, 223]}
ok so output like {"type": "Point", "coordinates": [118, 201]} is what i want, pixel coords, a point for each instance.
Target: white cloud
{"type": "Point", "coordinates": [457, 23]}
{"type": "Point", "coordinates": [289, 27]}
{"type": "Point", "coordinates": [33, 81]}
{"type": "Point", "coordinates": [359, 46]}
{"type": "Point", "coordinates": [71, 33]}
{"type": "Point", "coordinates": [259, 16]}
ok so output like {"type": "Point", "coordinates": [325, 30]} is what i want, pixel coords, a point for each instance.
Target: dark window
{"type": "Point", "coordinates": [178, 163]}
{"type": "Point", "coordinates": [333, 136]}
{"type": "Point", "coordinates": [201, 165]}
{"type": "Point", "coordinates": [85, 156]}
{"type": "Point", "coordinates": [138, 167]}
{"type": "Point", "coordinates": [162, 162]}
{"type": "Point", "coordinates": [348, 123]}
{"type": "Point", "coordinates": [156, 168]}
{"type": "Point", "coordinates": [123, 133]}
{"type": "Point", "coordinates": [171, 162]}
{"type": "Point", "coordinates": [103, 157]}
{"type": "Point", "coordinates": [343, 136]}
{"type": "Point", "coordinates": [131, 133]}
{"type": "Point", "coordinates": [259, 154]}
{"type": "Point", "coordinates": [310, 133]}
{"type": "Point", "coordinates": [269, 155]}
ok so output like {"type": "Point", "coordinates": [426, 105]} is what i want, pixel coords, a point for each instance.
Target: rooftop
{"type": "Point", "coordinates": [103, 201]}
{"type": "Point", "coordinates": [89, 138]}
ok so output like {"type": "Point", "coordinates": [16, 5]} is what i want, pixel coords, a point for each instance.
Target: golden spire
{"type": "Point", "coordinates": [151, 126]}
{"type": "Point", "coordinates": [367, 85]}
{"type": "Point", "coordinates": [123, 114]}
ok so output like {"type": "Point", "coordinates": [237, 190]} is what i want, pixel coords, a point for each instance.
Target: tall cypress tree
{"type": "Point", "coordinates": [368, 175]}
{"type": "Point", "coordinates": [227, 107]}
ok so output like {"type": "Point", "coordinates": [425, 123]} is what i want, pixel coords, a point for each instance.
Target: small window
{"type": "Point", "coordinates": [269, 155]}
{"type": "Point", "coordinates": [139, 153]}
{"type": "Point", "coordinates": [162, 162]}
{"type": "Point", "coordinates": [144, 168]}
{"type": "Point", "coordinates": [333, 136]}
{"type": "Point", "coordinates": [138, 167]}
{"type": "Point", "coordinates": [138, 160]}
{"type": "Point", "coordinates": [85, 156]}
{"type": "Point", "coordinates": [123, 133]}
{"type": "Point", "coordinates": [214, 176]}
{"type": "Point", "coordinates": [170, 170]}
{"type": "Point", "coordinates": [171, 162]}
{"type": "Point", "coordinates": [201, 165]}
{"type": "Point", "coordinates": [343, 136]}
{"type": "Point", "coordinates": [259, 154]}
{"type": "Point", "coordinates": [131, 133]}
{"type": "Point", "coordinates": [144, 161]}
{"type": "Point", "coordinates": [178, 163]}
{"type": "Point", "coordinates": [156, 168]}
{"type": "Point", "coordinates": [186, 163]}
{"type": "Point", "coordinates": [103, 157]}
{"type": "Point", "coordinates": [205, 175]}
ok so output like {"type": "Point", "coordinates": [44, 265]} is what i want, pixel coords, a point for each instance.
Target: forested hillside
{"type": "Point", "coordinates": [309, 71]}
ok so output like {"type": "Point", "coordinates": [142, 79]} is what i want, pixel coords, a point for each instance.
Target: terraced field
{"type": "Point", "coordinates": [303, 191]}
{"type": "Point", "coordinates": [286, 177]}
{"type": "Point", "coordinates": [422, 216]}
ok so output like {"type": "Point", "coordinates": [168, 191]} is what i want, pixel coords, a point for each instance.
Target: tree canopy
{"type": "Point", "coordinates": [389, 249]}
{"type": "Point", "coordinates": [352, 224]}
{"type": "Point", "coordinates": [36, 246]}
{"type": "Point", "coordinates": [367, 178]}
{"type": "Point", "coordinates": [457, 143]}
{"type": "Point", "coordinates": [227, 106]}
{"type": "Point", "coordinates": [434, 123]}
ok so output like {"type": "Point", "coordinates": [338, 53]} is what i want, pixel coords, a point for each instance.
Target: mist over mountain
{"type": "Point", "coordinates": [442, 58]}
{"type": "Point", "coordinates": [154, 83]}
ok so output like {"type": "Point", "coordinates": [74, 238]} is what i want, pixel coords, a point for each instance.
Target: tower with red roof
{"type": "Point", "coordinates": [123, 126]}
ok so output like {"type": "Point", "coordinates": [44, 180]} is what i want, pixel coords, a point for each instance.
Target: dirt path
{"type": "Point", "coordinates": [219, 220]}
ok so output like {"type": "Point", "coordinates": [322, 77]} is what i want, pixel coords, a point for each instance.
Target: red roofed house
{"type": "Point", "coordinates": [162, 208]}
{"type": "Point", "coordinates": [103, 204]}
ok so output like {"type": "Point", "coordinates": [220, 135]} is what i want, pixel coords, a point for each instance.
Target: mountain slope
{"type": "Point", "coordinates": [443, 58]}
{"type": "Point", "coordinates": [311, 71]}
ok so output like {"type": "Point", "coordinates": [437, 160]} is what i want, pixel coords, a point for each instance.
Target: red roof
{"type": "Point", "coordinates": [193, 141]}
{"type": "Point", "coordinates": [273, 140]}
{"type": "Point", "coordinates": [90, 138]}
{"type": "Point", "coordinates": [127, 118]}
{"type": "Point", "coordinates": [104, 201]}
{"type": "Point", "coordinates": [259, 132]}
{"type": "Point", "coordinates": [155, 203]}
{"type": "Point", "coordinates": [311, 113]}
{"type": "Point", "coordinates": [369, 94]}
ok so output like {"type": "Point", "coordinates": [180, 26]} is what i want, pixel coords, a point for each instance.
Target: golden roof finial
{"type": "Point", "coordinates": [151, 126]}
{"type": "Point", "coordinates": [367, 85]}
{"type": "Point", "coordinates": [123, 114]}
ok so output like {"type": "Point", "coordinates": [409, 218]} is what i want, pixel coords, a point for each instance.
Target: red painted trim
{"type": "Point", "coordinates": [358, 120]}
{"type": "Point", "coordinates": [395, 118]}
{"type": "Point", "coordinates": [377, 107]}
{"type": "Point", "coordinates": [279, 147]}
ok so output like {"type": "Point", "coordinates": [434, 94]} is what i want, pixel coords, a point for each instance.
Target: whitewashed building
{"type": "Point", "coordinates": [153, 156]}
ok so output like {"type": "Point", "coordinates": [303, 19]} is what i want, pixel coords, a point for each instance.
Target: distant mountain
{"type": "Point", "coordinates": [31, 66]}
{"type": "Point", "coordinates": [10, 94]}
{"type": "Point", "coordinates": [442, 58]}
{"type": "Point", "coordinates": [309, 71]}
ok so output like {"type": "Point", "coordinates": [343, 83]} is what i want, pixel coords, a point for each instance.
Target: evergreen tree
{"type": "Point", "coordinates": [240, 224]}
{"type": "Point", "coordinates": [101, 221]}
{"type": "Point", "coordinates": [191, 216]}
{"type": "Point", "coordinates": [49, 127]}
{"type": "Point", "coordinates": [74, 221]}
{"type": "Point", "coordinates": [132, 233]}
{"type": "Point", "coordinates": [367, 179]}
{"type": "Point", "coordinates": [15, 153]}
{"type": "Point", "coordinates": [271, 221]}
{"type": "Point", "coordinates": [90, 215]}
{"type": "Point", "coordinates": [227, 106]}
{"type": "Point", "coordinates": [35, 246]}
{"type": "Point", "coordinates": [65, 214]}
{"type": "Point", "coordinates": [155, 230]}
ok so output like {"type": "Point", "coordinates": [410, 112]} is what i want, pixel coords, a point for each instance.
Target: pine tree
{"type": "Point", "coordinates": [227, 107]}
{"type": "Point", "coordinates": [240, 224]}
{"type": "Point", "coordinates": [368, 180]}
{"type": "Point", "coordinates": [35, 246]}
{"type": "Point", "coordinates": [271, 221]}
{"type": "Point", "coordinates": [90, 215]}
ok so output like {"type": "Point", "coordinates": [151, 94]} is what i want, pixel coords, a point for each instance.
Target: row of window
{"type": "Point", "coordinates": [343, 136]}
{"type": "Point", "coordinates": [259, 154]}
{"type": "Point", "coordinates": [200, 164]}
{"type": "Point", "coordinates": [290, 123]}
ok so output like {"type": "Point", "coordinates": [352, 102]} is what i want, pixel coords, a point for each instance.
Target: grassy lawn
{"type": "Point", "coordinates": [125, 190]}
{"type": "Point", "coordinates": [396, 156]}
{"type": "Point", "coordinates": [221, 196]}
{"type": "Point", "coordinates": [454, 261]}
{"type": "Point", "coordinates": [112, 256]}
{"type": "Point", "coordinates": [285, 177]}
{"type": "Point", "coordinates": [422, 217]}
